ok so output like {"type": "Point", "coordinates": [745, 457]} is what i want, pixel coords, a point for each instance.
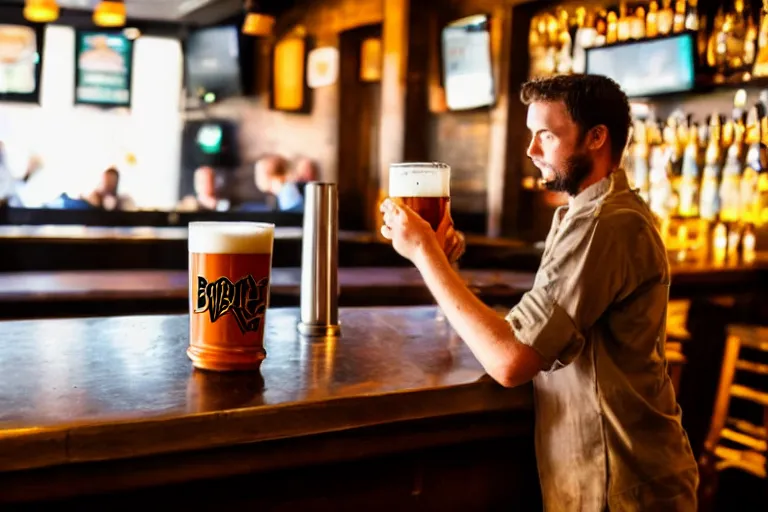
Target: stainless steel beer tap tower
{"type": "Point", "coordinates": [320, 262]}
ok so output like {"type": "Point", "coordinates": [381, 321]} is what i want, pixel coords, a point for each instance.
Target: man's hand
{"type": "Point", "coordinates": [411, 235]}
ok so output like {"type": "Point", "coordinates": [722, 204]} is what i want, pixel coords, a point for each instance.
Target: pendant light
{"type": "Point", "coordinates": [256, 23]}
{"type": "Point", "coordinates": [109, 13]}
{"type": "Point", "coordinates": [41, 11]}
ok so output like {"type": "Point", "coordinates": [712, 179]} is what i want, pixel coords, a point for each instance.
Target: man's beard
{"type": "Point", "coordinates": [569, 179]}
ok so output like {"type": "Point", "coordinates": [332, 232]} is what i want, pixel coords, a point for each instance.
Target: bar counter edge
{"type": "Point", "coordinates": [396, 381]}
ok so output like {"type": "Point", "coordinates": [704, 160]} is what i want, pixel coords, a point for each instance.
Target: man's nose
{"type": "Point", "coordinates": [533, 148]}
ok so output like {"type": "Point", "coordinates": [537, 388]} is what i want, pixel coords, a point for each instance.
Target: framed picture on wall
{"type": "Point", "coordinates": [103, 68]}
{"type": "Point", "coordinates": [289, 89]}
{"type": "Point", "coordinates": [21, 50]}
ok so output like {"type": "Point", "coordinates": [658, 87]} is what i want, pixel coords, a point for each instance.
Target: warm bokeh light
{"type": "Point", "coordinates": [289, 74]}
{"type": "Point", "coordinates": [257, 24]}
{"type": "Point", "coordinates": [41, 11]}
{"type": "Point", "coordinates": [109, 13]}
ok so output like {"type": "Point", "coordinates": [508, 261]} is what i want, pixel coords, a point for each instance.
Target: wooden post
{"type": "Point", "coordinates": [498, 154]}
{"type": "Point", "coordinates": [404, 91]}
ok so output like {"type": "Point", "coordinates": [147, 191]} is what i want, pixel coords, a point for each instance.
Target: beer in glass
{"type": "Point", "coordinates": [424, 187]}
{"type": "Point", "coordinates": [229, 270]}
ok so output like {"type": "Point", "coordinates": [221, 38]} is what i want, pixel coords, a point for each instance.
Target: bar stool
{"type": "Point", "coordinates": [677, 336]}
{"type": "Point", "coordinates": [734, 442]}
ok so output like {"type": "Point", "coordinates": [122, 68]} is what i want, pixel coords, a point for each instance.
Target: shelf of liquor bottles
{"type": "Point", "coordinates": [730, 37]}
{"type": "Point", "coordinates": [698, 159]}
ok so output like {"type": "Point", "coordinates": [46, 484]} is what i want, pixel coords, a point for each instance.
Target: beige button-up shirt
{"type": "Point", "coordinates": [608, 432]}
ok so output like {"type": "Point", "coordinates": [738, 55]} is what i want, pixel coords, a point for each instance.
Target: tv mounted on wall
{"type": "Point", "coordinates": [647, 68]}
{"type": "Point", "coordinates": [467, 68]}
{"type": "Point", "coordinates": [213, 67]}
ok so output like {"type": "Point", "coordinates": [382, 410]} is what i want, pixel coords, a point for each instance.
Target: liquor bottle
{"type": "Point", "coordinates": [719, 243]}
{"type": "Point", "coordinates": [750, 47]}
{"type": "Point", "coordinates": [762, 179]}
{"type": "Point", "coordinates": [709, 205]}
{"type": "Point", "coordinates": [735, 28]}
{"type": "Point", "coordinates": [717, 54]}
{"type": "Point", "coordinates": [640, 152]}
{"type": "Point", "coordinates": [637, 24]}
{"type": "Point", "coordinates": [689, 181]}
{"type": "Point", "coordinates": [652, 20]}
{"type": "Point", "coordinates": [730, 185]}
{"type": "Point", "coordinates": [761, 61]}
{"type": "Point", "coordinates": [666, 18]}
{"type": "Point", "coordinates": [612, 33]}
{"type": "Point", "coordinates": [601, 27]}
{"type": "Point", "coordinates": [678, 20]}
{"type": "Point", "coordinates": [692, 16]}
{"type": "Point", "coordinates": [623, 26]}
{"type": "Point", "coordinates": [564, 44]}
{"type": "Point", "coordinates": [748, 243]}
{"type": "Point", "coordinates": [585, 38]}
{"type": "Point", "coordinates": [756, 163]}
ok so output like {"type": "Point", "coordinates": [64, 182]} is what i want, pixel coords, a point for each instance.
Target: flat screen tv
{"type": "Point", "coordinates": [213, 64]}
{"type": "Point", "coordinates": [648, 68]}
{"type": "Point", "coordinates": [103, 68]}
{"type": "Point", "coordinates": [467, 70]}
{"type": "Point", "coordinates": [21, 48]}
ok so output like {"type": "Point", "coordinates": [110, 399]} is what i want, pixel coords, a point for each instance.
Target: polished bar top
{"type": "Point", "coordinates": [356, 282]}
{"type": "Point", "coordinates": [153, 284]}
{"type": "Point", "coordinates": [99, 389]}
{"type": "Point", "coordinates": [143, 233]}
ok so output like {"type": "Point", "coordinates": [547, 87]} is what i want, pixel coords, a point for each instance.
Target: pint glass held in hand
{"type": "Point", "coordinates": [424, 187]}
{"type": "Point", "coordinates": [229, 269]}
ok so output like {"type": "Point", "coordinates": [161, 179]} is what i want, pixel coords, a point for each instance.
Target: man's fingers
{"type": "Point", "coordinates": [386, 232]}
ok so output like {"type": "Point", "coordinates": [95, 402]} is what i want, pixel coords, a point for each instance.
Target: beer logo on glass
{"type": "Point", "coordinates": [246, 300]}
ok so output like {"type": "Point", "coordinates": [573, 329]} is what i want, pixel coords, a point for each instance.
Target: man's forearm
{"type": "Point", "coordinates": [487, 334]}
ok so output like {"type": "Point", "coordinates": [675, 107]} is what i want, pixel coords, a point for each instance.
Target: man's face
{"type": "Point", "coordinates": [557, 148]}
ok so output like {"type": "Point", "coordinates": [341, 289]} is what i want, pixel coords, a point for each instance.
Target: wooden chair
{"type": "Point", "coordinates": [734, 442]}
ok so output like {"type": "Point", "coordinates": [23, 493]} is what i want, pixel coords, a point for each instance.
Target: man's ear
{"type": "Point", "coordinates": [597, 137]}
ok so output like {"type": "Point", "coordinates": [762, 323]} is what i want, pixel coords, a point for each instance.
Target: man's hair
{"type": "Point", "coordinates": [591, 100]}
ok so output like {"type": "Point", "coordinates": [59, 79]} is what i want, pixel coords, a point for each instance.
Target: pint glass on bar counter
{"type": "Point", "coordinates": [229, 269]}
{"type": "Point", "coordinates": [424, 187]}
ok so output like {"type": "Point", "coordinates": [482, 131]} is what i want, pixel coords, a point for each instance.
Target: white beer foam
{"type": "Point", "coordinates": [419, 181]}
{"type": "Point", "coordinates": [231, 237]}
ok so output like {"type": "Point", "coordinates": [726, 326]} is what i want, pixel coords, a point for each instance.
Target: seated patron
{"type": "Point", "coordinates": [106, 196]}
{"type": "Point", "coordinates": [206, 196]}
{"type": "Point", "coordinates": [305, 171]}
{"type": "Point", "coordinates": [271, 176]}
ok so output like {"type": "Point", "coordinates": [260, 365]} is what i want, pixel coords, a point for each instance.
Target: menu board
{"type": "Point", "coordinates": [103, 75]}
{"type": "Point", "coordinates": [19, 62]}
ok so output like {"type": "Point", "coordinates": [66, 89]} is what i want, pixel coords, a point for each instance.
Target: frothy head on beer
{"type": "Point", "coordinates": [424, 187]}
{"type": "Point", "coordinates": [231, 237]}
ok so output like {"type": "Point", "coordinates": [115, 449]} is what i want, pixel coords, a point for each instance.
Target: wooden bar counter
{"type": "Point", "coordinates": [394, 413]}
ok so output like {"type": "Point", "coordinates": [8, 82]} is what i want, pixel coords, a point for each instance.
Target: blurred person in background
{"type": "Point", "coordinates": [206, 196]}
{"type": "Point", "coordinates": [272, 177]}
{"type": "Point", "coordinates": [23, 183]}
{"type": "Point", "coordinates": [106, 196]}
{"type": "Point", "coordinates": [304, 172]}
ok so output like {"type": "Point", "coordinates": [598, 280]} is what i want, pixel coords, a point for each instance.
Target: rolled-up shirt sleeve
{"type": "Point", "coordinates": [575, 285]}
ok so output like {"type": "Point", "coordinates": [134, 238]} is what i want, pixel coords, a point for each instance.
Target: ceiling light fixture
{"type": "Point", "coordinates": [109, 13]}
{"type": "Point", "coordinates": [256, 23]}
{"type": "Point", "coordinates": [41, 11]}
